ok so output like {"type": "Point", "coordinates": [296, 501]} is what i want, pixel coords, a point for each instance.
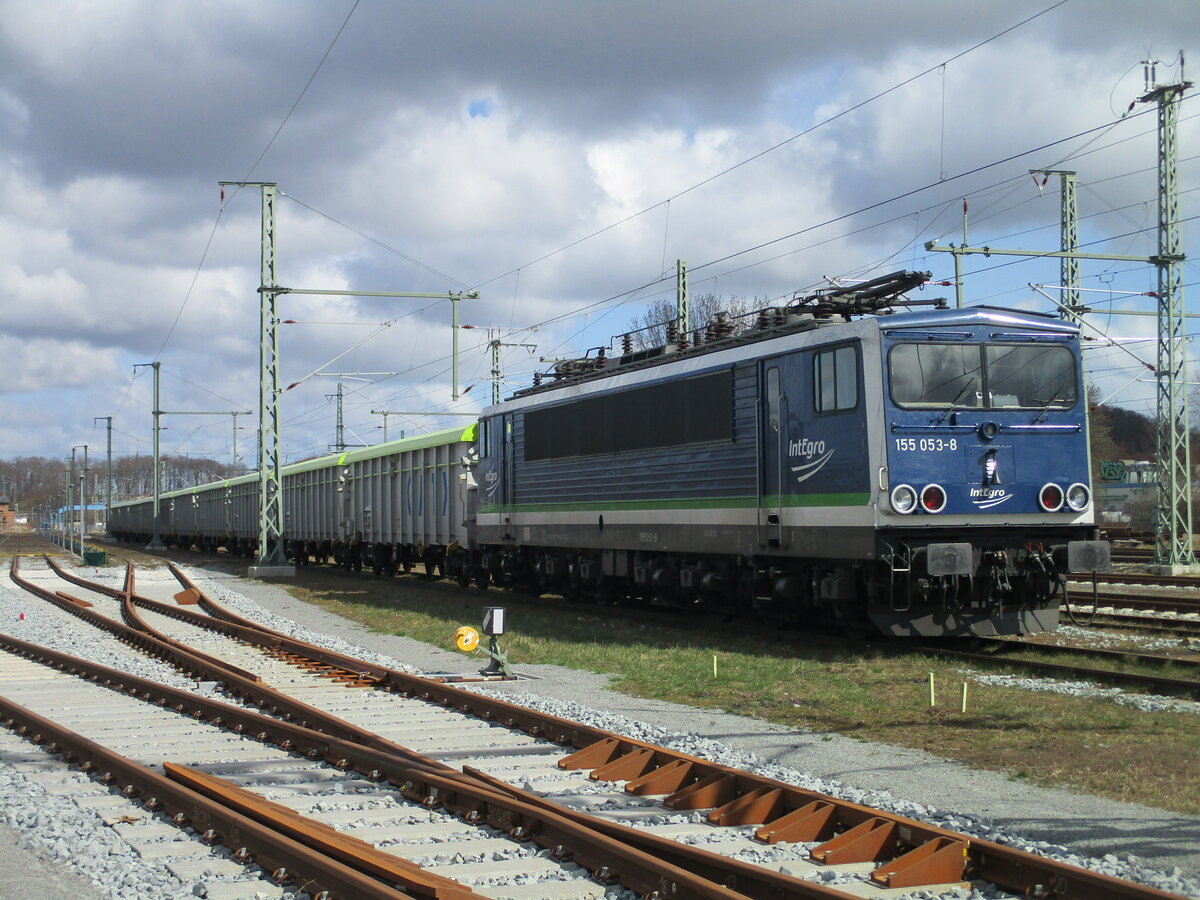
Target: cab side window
{"type": "Point", "coordinates": [835, 379]}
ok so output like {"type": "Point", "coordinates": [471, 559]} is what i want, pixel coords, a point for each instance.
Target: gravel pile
{"type": "Point", "coordinates": [1144, 702]}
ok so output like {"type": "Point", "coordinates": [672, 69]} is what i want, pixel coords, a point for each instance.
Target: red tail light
{"type": "Point", "coordinates": [933, 498]}
{"type": "Point", "coordinates": [1050, 497]}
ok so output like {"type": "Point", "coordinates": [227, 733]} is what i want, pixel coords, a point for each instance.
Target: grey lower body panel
{"type": "Point", "coordinates": [833, 542]}
{"type": "Point", "coordinates": [964, 622]}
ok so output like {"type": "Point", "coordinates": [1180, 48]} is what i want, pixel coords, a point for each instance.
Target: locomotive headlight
{"type": "Point", "coordinates": [990, 468]}
{"type": "Point", "coordinates": [904, 499]}
{"type": "Point", "coordinates": [933, 498]}
{"type": "Point", "coordinates": [1078, 497]}
{"type": "Point", "coordinates": [1050, 497]}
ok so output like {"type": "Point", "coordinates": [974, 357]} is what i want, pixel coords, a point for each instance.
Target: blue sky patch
{"type": "Point", "coordinates": [481, 109]}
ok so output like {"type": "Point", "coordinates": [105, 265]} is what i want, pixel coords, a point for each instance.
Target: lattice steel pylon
{"type": "Point", "coordinates": [1072, 306]}
{"type": "Point", "coordinates": [271, 550]}
{"type": "Point", "coordinates": [1173, 521]}
{"type": "Point", "coordinates": [270, 482]}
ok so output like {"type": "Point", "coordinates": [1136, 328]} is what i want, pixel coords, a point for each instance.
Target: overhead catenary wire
{"type": "Point", "coordinates": [827, 121]}
{"type": "Point", "coordinates": [376, 241]}
{"type": "Point", "coordinates": [221, 209]}
{"type": "Point", "coordinates": [303, 91]}
{"type": "Point", "coordinates": [628, 295]}
{"type": "Point", "coordinates": [623, 295]}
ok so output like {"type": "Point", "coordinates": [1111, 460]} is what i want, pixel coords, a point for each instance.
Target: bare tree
{"type": "Point", "coordinates": [650, 328]}
{"type": "Point", "coordinates": [35, 481]}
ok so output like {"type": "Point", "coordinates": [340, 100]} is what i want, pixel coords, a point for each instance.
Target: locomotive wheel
{"type": "Point", "coordinates": [482, 579]}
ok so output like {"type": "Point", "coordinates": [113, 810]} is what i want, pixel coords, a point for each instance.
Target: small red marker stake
{"type": "Point", "coordinates": [22, 617]}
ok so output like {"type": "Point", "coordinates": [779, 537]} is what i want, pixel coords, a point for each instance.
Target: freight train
{"type": "Point", "coordinates": [842, 461]}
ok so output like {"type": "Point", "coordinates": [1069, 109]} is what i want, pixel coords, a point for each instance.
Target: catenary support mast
{"type": "Point", "coordinates": [1173, 527]}
{"type": "Point", "coordinates": [272, 554]}
{"type": "Point", "coordinates": [1173, 518]}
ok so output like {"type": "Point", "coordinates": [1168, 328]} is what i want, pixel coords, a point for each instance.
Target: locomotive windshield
{"type": "Point", "coordinates": [974, 376]}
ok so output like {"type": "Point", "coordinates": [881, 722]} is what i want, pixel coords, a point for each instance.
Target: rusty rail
{"type": "Point", "coordinates": [273, 641]}
{"type": "Point", "coordinates": [738, 798]}
{"type": "Point", "coordinates": [249, 689]}
{"type": "Point", "coordinates": [920, 854]}
{"type": "Point", "coordinates": [433, 784]}
{"type": "Point", "coordinates": [284, 858]}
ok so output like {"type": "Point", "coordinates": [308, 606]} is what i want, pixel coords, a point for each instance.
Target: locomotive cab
{"type": "Point", "coordinates": [984, 498]}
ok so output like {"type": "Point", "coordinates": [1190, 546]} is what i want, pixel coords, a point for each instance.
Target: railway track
{"type": "Point", "coordinates": [1000, 650]}
{"type": "Point", "coordinates": [1144, 579]}
{"type": "Point", "coordinates": [1183, 687]}
{"type": "Point", "coordinates": [1110, 618]}
{"type": "Point", "coordinates": [736, 812]}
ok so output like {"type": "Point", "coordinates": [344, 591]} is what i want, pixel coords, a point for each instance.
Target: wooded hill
{"type": "Point", "coordinates": [33, 482]}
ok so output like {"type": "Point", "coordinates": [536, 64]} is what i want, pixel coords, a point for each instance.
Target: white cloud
{"type": "Point", "coordinates": [119, 119]}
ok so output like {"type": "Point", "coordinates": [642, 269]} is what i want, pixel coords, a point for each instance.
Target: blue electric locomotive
{"type": "Point", "coordinates": [912, 473]}
{"type": "Point", "coordinates": [828, 462]}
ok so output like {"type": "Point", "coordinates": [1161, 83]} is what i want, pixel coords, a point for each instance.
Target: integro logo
{"type": "Point", "coordinates": [813, 455]}
{"type": "Point", "coordinates": [805, 448]}
{"type": "Point", "coordinates": [988, 497]}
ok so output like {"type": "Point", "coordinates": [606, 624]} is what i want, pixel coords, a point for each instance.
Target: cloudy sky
{"type": "Point", "coordinates": [558, 157]}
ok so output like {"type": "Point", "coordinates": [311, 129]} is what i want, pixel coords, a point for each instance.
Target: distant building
{"type": "Point", "coordinates": [8, 515]}
{"type": "Point", "coordinates": [1126, 492]}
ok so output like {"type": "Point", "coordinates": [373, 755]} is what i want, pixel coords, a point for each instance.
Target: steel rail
{"type": "Point", "coordinates": [284, 858]}
{"type": "Point", "coordinates": [1156, 684]}
{"type": "Point", "coordinates": [1163, 603]}
{"type": "Point", "coordinates": [355, 852]}
{"type": "Point", "coordinates": [435, 784]}
{"type": "Point", "coordinates": [852, 833]}
{"type": "Point", "coordinates": [1185, 627]}
{"type": "Point", "coordinates": [1001, 646]}
{"type": "Point", "coordinates": [1146, 579]}
{"type": "Point", "coordinates": [765, 883]}
{"type": "Point", "coordinates": [208, 605]}
{"type": "Point", "coordinates": [249, 690]}
{"type": "Point", "coordinates": [183, 660]}
{"type": "Point", "coordinates": [130, 615]}
{"type": "Point", "coordinates": [785, 811]}
{"type": "Point", "coordinates": [274, 641]}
